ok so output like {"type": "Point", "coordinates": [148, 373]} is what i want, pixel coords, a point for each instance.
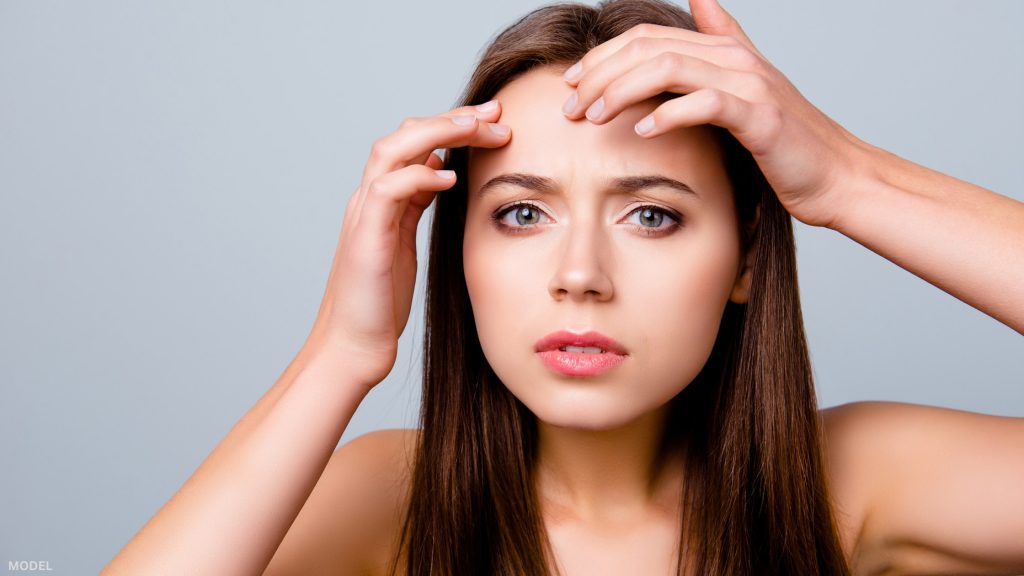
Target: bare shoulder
{"type": "Point", "coordinates": [349, 521]}
{"type": "Point", "coordinates": [856, 437]}
{"type": "Point", "coordinates": [922, 488]}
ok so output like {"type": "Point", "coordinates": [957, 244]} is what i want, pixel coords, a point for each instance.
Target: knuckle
{"type": "Point", "coordinates": [773, 120]}
{"type": "Point", "coordinates": [758, 87]}
{"type": "Point", "coordinates": [611, 95]}
{"type": "Point", "coordinates": [643, 29]}
{"type": "Point", "coordinates": [583, 88]}
{"type": "Point", "coordinates": [669, 61]}
{"type": "Point", "coordinates": [638, 46]}
{"type": "Point", "coordinates": [714, 100]}
{"type": "Point", "coordinates": [744, 59]}
{"type": "Point", "coordinates": [410, 121]}
{"type": "Point", "coordinates": [418, 171]}
{"type": "Point", "coordinates": [378, 188]}
{"type": "Point", "coordinates": [381, 148]}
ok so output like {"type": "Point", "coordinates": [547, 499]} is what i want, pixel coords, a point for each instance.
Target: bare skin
{"type": "Point", "coordinates": [916, 489]}
{"type": "Point", "coordinates": [895, 487]}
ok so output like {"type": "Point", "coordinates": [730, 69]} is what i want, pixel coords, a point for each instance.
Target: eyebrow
{"type": "Point", "coordinates": [622, 185]}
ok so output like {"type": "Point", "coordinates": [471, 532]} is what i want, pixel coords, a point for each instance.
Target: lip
{"type": "Point", "coordinates": [579, 363]}
{"type": "Point", "coordinates": [556, 340]}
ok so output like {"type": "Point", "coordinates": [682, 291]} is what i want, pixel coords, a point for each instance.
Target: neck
{"type": "Point", "coordinates": [619, 473]}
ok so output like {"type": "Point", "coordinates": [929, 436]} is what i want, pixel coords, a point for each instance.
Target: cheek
{"type": "Point", "coordinates": [694, 288]}
{"type": "Point", "coordinates": [503, 288]}
{"type": "Point", "coordinates": [677, 302]}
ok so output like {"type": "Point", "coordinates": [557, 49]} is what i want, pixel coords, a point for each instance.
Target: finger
{"type": "Point", "coordinates": [751, 123]}
{"type": "Point", "coordinates": [414, 208]}
{"type": "Point", "coordinates": [410, 218]}
{"type": "Point", "coordinates": [386, 198]}
{"type": "Point", "coordinates": [711, 18]}
{"type": "Point", "coordinates": [488, 111]}
{"type": "Point", "coordinates": [659, 58]}
{"type": "Point", "coordinates": [672, 72]}
{"type": "Point", "coordinates": [434, 162]}
{"type": "Point", "coordinates": [415, 141]}
{"type": "Point", "coordinates": [606, 49]}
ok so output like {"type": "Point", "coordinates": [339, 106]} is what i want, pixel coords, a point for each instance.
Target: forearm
{"type": "Point", "coordinates": [233, 512]}
{"type": "Point", "coordinates": [962, 238]}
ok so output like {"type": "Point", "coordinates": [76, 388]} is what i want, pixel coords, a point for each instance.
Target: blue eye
{"type": "Point", "coordinates": [654, 216]}
{"type": "Point", "coordinates": [526, 215]}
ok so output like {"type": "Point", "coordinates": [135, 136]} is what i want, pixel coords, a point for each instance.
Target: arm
{"type": "Point", "coordinates": [232, 513]}
{"type": "Point", "coordinates": [942, 487]}
{"type": "Point", "coordinates": [942, 490]}
{"type": "Point", "coordinates": [962, 238]}
{"type": "Point", "coordinates": [350, 521]}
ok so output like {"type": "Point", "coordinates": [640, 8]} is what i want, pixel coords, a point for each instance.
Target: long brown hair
{"type": "Point", "coordinates": [756, 498]}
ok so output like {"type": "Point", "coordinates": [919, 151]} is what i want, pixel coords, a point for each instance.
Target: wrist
{"type": "Point", "coordinates": [334, 375]}
{"type": "Point", "coordinates": [344, 363]}
{"type": "Point", "coordinates": [863, 178]}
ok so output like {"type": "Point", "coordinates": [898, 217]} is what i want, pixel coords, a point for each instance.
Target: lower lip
{"type": "Point", "coordinates": [580, 363]}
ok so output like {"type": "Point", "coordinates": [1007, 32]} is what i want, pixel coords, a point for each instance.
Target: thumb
{"type": "Point", "coordinates": [711, 18]}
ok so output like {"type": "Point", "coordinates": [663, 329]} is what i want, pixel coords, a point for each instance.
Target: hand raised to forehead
{"type": "Point", "coordinates": [369, 291]}
{"type": "Point", "coordinates": [721, 79]}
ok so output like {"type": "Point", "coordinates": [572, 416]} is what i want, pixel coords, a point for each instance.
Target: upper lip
{"type": "Point", "coordinates": [556, 340]}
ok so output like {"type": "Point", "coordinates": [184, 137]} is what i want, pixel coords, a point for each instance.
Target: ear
{"type": "Point", "coordinates": [741, 288]}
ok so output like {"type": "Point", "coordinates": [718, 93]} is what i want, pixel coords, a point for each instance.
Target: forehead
{"type": "Point", "coordinates": [547, 143]}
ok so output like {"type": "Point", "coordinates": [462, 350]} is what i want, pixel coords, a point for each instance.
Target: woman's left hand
{"type": "Point", "coordinates": [805, 155]}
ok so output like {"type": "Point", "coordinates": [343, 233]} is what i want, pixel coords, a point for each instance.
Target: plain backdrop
{"type": "Point", "coordinates": [173, 177]}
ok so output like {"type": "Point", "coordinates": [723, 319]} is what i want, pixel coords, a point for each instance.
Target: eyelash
{"type": "Point", "coordinates": [675, 220]}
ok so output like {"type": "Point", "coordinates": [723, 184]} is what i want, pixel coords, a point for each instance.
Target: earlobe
{"type": "Point", "coordinates": [741, 289]}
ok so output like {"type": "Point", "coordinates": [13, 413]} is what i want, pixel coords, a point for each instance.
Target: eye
{"type": "Point", "coordinates": [653, 220]}
{"type": "Point", "coordinates": [524, 215]}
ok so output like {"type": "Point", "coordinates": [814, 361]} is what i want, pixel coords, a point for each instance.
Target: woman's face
{"type": "Point", "coordinates": [585, 254]}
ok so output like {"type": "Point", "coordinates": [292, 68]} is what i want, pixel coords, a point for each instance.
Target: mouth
{"type": "Point", "coordinates": [591, 342]}
{"type": "Point", "coordinates": [571, 363]}
{"type": "Point", "coordinates": [580, 354]}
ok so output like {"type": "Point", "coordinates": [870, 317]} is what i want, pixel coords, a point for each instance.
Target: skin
{"type": "Point", "coordinates": [916, 489]}
{"type": "Point", "coordinates": [583, 260]}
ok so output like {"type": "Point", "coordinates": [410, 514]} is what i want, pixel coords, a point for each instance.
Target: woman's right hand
{"type": "Point", "coordinates": [369, 290]}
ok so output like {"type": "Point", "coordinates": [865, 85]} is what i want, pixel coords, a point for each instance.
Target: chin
{"type": "Point", "coordinates": [584, 409]}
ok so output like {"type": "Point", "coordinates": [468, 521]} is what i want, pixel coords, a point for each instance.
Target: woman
{"type": "Point", "coordinates": [616, 375]}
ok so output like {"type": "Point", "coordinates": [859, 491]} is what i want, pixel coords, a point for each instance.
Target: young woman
{"type": "Point", "coordinates": [616, 377]}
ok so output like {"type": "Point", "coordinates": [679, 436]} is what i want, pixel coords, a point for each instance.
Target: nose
{"type": "Point", "coordinates": [581, 272]}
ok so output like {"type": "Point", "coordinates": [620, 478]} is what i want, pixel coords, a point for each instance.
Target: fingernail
{"type": "Point", "coordinates": [487, 106]}
{"type": "Point", "coordinates": [573, 71]}
{"type": "Point", "coordinates": [446, 174]}
{"type": "Point", "coordinates": [570, 104]}
{"type": "Point", "coordinates": [595, 110]}
{"type": "Point", "coordinates": [499, 129]}
{"type": "Point", "coordinates": [463, 119]}
{"type": "Point", "coordinates": [644, 126]}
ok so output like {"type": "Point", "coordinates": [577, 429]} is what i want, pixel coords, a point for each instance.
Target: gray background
{"type": "Point", "coordinates": [173, 177]}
